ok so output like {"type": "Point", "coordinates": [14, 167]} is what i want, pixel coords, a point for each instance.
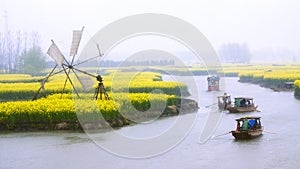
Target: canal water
{"type": "Point", "coordinates": [279, 112]}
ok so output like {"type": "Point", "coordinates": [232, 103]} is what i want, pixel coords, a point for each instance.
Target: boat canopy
{"type": "Point", "coordinates": [213, 78]}
{"type": "Point", "coordinates": [224, 96]}
{"type": "Point", "coordinates": [246, 98]}
{"type": "Point", "coordinates": [247, 118]}
{"type": "Point", "coordinates": [289, 83]}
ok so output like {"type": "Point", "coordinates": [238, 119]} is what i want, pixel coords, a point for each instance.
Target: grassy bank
{"type": "Point", "coordinates": [18, 78]}
{"type": "Point", "coordinates": [297, 89]}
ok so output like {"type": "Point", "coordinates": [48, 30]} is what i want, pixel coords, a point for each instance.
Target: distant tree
{"type": "Point", "coordinates": [12, 43]}
{"type": "Point", "coordinates": [2, 53]}
{"type": "Point", "coordinates": [33, 61]}
{"type": "Point", "coordinates": [235, 53]}
{"type": "Point", "coordinates": [295, 59]}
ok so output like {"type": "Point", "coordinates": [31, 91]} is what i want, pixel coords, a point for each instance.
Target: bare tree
{"type": "Point", "coordinates": [9, 50]}
{"type": "Point", "coordinates": [12, 44]}
{"type": "Point", "coordinates": [17, 51]}
{"type": "Point", "coordinates": [235, 53]}
{"type": "Point", "coordinates": [2, 52]}
{"type": "Point", "coordinates": [35, 38]}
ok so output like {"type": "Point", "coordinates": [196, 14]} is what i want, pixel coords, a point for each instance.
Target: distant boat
{"type": "Point", "coordinates": [241, 105]}
{"type": "Point", "coordinates": [284, 87]}
{"type": "Point", "coordinates": [247, 128]}
{"type": "Point", "coordinates": [213, 83]}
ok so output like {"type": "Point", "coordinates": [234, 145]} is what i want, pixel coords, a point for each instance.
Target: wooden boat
{"type": "Point", "coordinates": [250, 128]}
{"type": "Point", "coordinates": [242, 104]}
{"type": "Point", "coordinates": [284, 87]}
{"type": "Point", "coordinates": [213, 83]}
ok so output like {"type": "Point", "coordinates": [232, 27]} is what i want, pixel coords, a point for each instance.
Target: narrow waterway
{"type": "Point", "coordinates": [279, 112]}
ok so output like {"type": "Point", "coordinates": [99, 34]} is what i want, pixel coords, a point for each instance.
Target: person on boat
{"type": "Point", "coordinates": [238, 127]}
{"type": "Point", "coordinates": [237, 103]}
{"type": "Point", "coordinates": [248, 103]}
{"type": "Point", "coordinates": [245, 125]}
{"type": "Point", "coordinates": [225, 100]}
{"type": "Point", "coordinates": [257, 124]}
{"type": "Point", "coordinates": [242, 103]}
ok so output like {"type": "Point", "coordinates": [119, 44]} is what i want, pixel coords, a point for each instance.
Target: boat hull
{"type": "Point", "coordinates": [213, 88]}
{"type": "Point", "coordinates": [281, 89]}
{"type": "Point", "coordinates": [241, 109]}
{"type": "Point", "coordinates": [244, 135]}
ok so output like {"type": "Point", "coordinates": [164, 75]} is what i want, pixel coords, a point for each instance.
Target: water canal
{"type": "Point", "coordinates": [279, 112]}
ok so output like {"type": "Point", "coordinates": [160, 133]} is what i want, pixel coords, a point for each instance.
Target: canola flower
{"type": "Point", "coordinates": [269, 75]}
{"type": "Point", "coordinates": [141, 83]}
{"type": "Point", "coordinates": [52, 110]}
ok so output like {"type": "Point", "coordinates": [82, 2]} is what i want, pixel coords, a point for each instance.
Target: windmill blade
{"type": "Point", "coordinates": [56, 54]}
{"type": "Point", "coordinates": [77, 34]}
{"type": "Point", "coordinates": [72, 59]}
{"type": "Point", "coordinates": [86, 82]}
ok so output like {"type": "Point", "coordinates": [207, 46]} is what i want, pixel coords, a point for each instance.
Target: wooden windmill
{"type": "Point", "coordinates": [68, 67]}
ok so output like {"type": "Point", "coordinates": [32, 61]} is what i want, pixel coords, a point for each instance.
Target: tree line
{"type": "Point", "coordinates": [235, 53]}
{"type": "Point", "coordinates": [21, 53]}
{"type": "Point", "coordinates": [122, 63]}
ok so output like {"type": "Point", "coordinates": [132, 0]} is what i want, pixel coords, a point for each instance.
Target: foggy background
{"type": "Point", "coordinates": [260, 31]}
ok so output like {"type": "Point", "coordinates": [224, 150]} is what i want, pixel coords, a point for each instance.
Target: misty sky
{"type": "Point", "coordinates": [261, 24]}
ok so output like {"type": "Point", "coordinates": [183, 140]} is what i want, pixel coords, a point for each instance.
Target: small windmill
{"type": "Point", "coordinates": [67, 67]}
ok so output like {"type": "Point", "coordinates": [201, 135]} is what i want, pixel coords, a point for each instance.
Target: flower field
{"type": "Point", "coordinates": [129, 93]}
{"type": "Point", "coordinates": [47, 112]}
{"type": "Point", "coordinates": [141, 83]}
{"type": "Point", "coordinates": [270, 78]}
{"type": "Point", "coordinates": [268, 75]}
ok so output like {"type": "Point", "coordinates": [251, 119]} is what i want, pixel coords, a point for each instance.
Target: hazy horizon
{"type": "Point", "coordinates": [269, 28]}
